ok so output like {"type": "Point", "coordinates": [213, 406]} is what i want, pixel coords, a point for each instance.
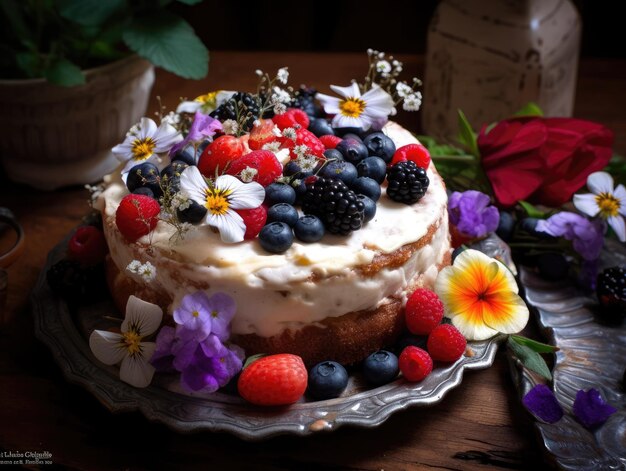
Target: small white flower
{"type": "Point", "coordinates": [381, 55]}
{"type": "Point", "coordinates": [403, 90]}
{"type": "Point", "coordinates": [171, 118]}
{"type": "Point", "coordinates": [398, 68]}
{"type": "Point", "coordinates": [147, 272]}
{"type": "Point", "coordinates": [133, 266]}
{"type": "Point", "coordinates": [280, 96]}
{"type": "Point", "coordinates": [205, 103]}
{"type": "Point", "coordinates": [307, 163]}
{"type": "Point", "coordinates": [300, 150]}
{"type": "Point", "coordinates": [181, 201]}
{"type": "Point", "coordinates": [282, 75]}
{"type": "Point", "coordinates": [290, 133]}
{"type": "Point", "coordinates": [412, 102]}
{"type": "Point", "coordinates": [145, 143]}
{"type": "Point", "coordinates": [276, 131]}
{"type": "Point", "coordinates": [383, 67]}
{"type": "Point", "coordinates": [605, 200]}
{"type": "Point", "coordinates": [230, 126]}
{"type": "Point", "coordinates": [279, 108]}
{"type": "Point", "coordinates": [127, 348]}
{"type": "Point", "coordinates": [370, 51]}
{"type": "Point", "coordinates": [225, 195]}
{"type": "Point", "coordinates": [354, 110]}
{"type": "Point", "coordinates": [272, 146]}
{"type": "Point", "coordinates": [248, 174]}
{"type": "Point", "coordinates": [296, 182]}
{"type": "Point", "coordinates": [259, 72]}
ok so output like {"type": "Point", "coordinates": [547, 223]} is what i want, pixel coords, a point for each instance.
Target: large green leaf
{"type": "Point", "coordinates": [467, 136]}
{"type": "Point", "coordinates": [89, 12]}
{"type": "Point", "coordinates": [530, 359]}
{"type": "Point", "coordinates": [65, 73]}
{"type": "Point", "coordinates": [169, 42]}
{"type": "Point", "coordinates": [534, 345]}
{"type": "Point", "coordinates": [532, 211]}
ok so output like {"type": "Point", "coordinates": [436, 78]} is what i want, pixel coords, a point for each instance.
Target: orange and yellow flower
{"type": "Point", "coordinates": [479, 295]}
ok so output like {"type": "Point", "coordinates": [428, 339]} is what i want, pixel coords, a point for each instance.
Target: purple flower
{"type": "Point", "coordinates": [222, 310]}
{"type": "Point", "coordinates": [203, 126]}
{"type": "Point", "coordinates": [586, 236]}
{"type": "Point", "coordinates": [162, 358]}
{"type": "Point", "coordinates": [590, 409]}
{"type": "Point", "coordinates": [542, 403]}
{"type": "Point", "coordinates": [194, 316]}
{"type": "Point", "coordinates": [209, 373]}
{"type": "Point", "coordinates": [471, 213]}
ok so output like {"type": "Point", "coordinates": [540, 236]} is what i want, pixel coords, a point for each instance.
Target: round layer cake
{"type": "Point", "coordinates": [338, 299]}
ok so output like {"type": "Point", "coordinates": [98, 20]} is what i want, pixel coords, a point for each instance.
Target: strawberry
{"type": "Point", "coordinates": [254, 219]}
{"type": "Point", "coordinates": [274, 380]}
{"type": "Point", "coordinates": [415, 152]}
{"type": "Point", "coordinates": [136, 216]}
{"type": "Point", "coordinates": [292, 118]}
{"type": "Point", "coordinates": [261, 134]}
{"type": "Point", "coordinates": [87, 246]}
{"type": "Point", "coordinates": [330, 141]}
{"type": "Point", "coordinates": [264, 161]}
{"type": "Point", "coordinates": [217, 155]}
{"type": "Point", "coordinates": [307, 138]}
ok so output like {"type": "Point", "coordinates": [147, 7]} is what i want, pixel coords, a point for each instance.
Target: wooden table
{"type": "Point", "coordinates": [477, 424]}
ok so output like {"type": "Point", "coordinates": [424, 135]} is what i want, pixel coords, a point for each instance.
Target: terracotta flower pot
{"type": "Point", "coordinates": [55, 136]}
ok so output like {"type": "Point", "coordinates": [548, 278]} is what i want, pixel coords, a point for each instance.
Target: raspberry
{"type": "Point", "coordinates": [415, 152]}
{"type": "Point", "coordinates": [264, 161]}
{"type": "Point", "coordinates": [261, 134]}
{"type": "Point", "coordinates": [446, 343]}
{"type": "Point", "coordinates": [291, 118]}
{"type": "Point", "coordinates": [307, 138]}
{"type": "Point", "coordinates": [274, 380]}
{"type": "Point", "coordinates": [415, 363]}
{"type": "Point", "coordinates": [217, 155]}
{"type": "Point", "coordinates": [87, 246]}
{"type": "Point", "coordinates": [254, 219]}
{"type": "Point", "coordinates": [329, 141]}
{"type": "Point", "coordinates": [424, 311]}
{"type": "Point", "coordinates": [136, 216]}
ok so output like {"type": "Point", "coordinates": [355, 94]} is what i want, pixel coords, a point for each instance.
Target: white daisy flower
{"type": "Point", "coordinates": [354, 110]}
{"type": "Point", "coordinates": [225, 195]}
{"type": "Point", "coordinates": [282, 75]}
{"type": "Point", "coordinates": [205, 103]}
{"type": "Point", "coordinates": [605, 200]}
{"type": "Point", "coordinates": [127, 348]}
{"type": "Point", "coordinates": [145, 143]}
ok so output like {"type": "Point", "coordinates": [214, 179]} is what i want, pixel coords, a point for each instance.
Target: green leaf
{"type": "Point", "coordinates": [252, 359]}
{"type": "Point", "coordinates": [532, 211]}
{"type": "Point", "coordinates": [617, 168]}
{"type": "Point", "coordinates": [29, 63]}
{"type": "Point", "coordinates": [467, 136]}
{"type": "Point", "coordinates": [530, 359]}
{"type": "Point", "coordinates": [534, 345]}
{"type": "Point", "coordinates": [169, 42]}
{"type": "Point", "coordinates": [89, 12]}
{"type": "Point", "coordinates": [64, 73]}
{"type": "Point", "coordinates": [529, 109]}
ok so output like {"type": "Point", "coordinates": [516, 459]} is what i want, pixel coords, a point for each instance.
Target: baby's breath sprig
{"type": "Point", "coordinates": [171, 202]}
{"type": "Point", "coordinates": [270, 93]}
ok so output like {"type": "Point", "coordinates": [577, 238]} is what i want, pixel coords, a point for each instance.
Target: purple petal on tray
{"type": "Point", "coordinates": [590, 409]}
{"type": "Point", "coordinates": [541, 402]}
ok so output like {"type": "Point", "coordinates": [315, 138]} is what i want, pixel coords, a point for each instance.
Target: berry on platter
{"type": "Point", "coordinates": [262, 133]}
{"type": "Point", "coordinates": [276, 237]}
{"type": "Point", "coordinates": [303, 138]}
{"type": "Point", "coordinates": [330, 141]}
{"type": "Point", "coordinates": [327, 380]}
{"type": "Point", "coordinates": [145, 175]}
{"type": "Point", "coordinates": [367, 186]}
{"type": "Point", "coordinates": [424, 311]}
{"type": "Point", "coordinates": [380, 145]}
{"type": "Point", "coordinates": [193, 214]}
{"type": "Point", "coordinates": [341, 170]}
{"type": "Point", "coordinates": [407, 183]}
{"type": "Point", "coordinates": [380, 367]}
{"type": "Point", "coordinates": [218, 155]}
{"type": "Point", "coordinates": [414, 152]}
{"type": "Point", "coordinates": [283, 212]}
{"type": "Point", "coordinates": [170, 175]}
{"type": "Point", "coordinates": [292, 118]}
{"type": "Point", "coordinates": [279, 193]}
{"type": "Point", "coordinates": [87, 246]}
{"type": "Point", "coordinates": [267, 166]}
{"type": "Point", "coordinates": [352, 150]}
{"type": "Point", "coordinates": [136, 216]}
{"type": "Point", "coordinates": [273, 380]}
{"type": "Point", "coordinates": [254, 219]}
{"type": "Point", "coordinates": [446, 343]}
{"type": "Point", "coordinates": [369, 208]}
{"type": "Point", "coordinates": [309, 228]}
{"type": "Point", "coordinates": [320, 127]}
{"type": "Point", "coordinates": [611, 291]}
{"type": "Point", "coordinates": [415, 363]}
{"type": "Point", "coordinates": [373, 167]}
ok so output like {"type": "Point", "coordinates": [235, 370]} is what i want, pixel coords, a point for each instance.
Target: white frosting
{"type": "Point", "coordinates": [275, 292]}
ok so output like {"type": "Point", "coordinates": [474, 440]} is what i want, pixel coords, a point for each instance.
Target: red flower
{"type": "Point", "coordinates": [543, 160]}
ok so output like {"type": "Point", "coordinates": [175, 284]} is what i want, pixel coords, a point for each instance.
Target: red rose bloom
{"type": "Point", "coordinates": [542, 160]}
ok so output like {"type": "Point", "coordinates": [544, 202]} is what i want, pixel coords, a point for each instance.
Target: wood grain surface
{"type": "Point", "coordinates": [479, 425]}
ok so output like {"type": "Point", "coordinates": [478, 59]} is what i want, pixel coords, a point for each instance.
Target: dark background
{"type": "Point", "coordinates": [352, 25]}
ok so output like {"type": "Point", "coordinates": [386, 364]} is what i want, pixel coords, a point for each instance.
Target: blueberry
{"type": "Point", "coordinates": [187, 155]}
{"type": "Point", "coordinates": [373, 167]}
{"type": "Point", "coordinates": [170, 175]}
{"type": "Point", "coordinates": [279, 193]}
{"type": "Point", "coordinates": [193, 214]}
{"type": "Point", "coordinates": [145, 175]}
{"type": "Point", "coordinates": [144, 190]}
{"type": "Point", "coordinates": [276, 237]}
{"type": "Point", "coordinates": [341, 170]}
{"type": "Point", "coordinates": [380, 367]}
{"type": "Point", "coordinates": [320, 127]}
{"type": "Point", "coordinates": [352, 135]}
{"type": "Point", "coordinates": [333, 154]}
{"type": "Point", "coordinates": [366, 186]}
{"type": "Point", "coordinates": [343, 131]}
{"type": "Point", "coordinates": [552, 266]}
{"type": "Point", "coordinates": [505, 226]}
{"type": "Point", "coordinates": [380, 145]}
{"type": "Point", "coordinates": [309, 228]}
{"type": "Point", "coordinates": [352, 150]}
{"type": "Point", "coordinates": [369, 208]}
{"type": "Point", "coordinates": [291, 168]}
{"type": "Point", "coordinates": [327, 380]}
{"type": "Point", "coordinates": [283, 212]}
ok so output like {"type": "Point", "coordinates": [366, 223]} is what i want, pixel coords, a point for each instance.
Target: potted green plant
{"type": "Point", "coordinates": [76, 74]}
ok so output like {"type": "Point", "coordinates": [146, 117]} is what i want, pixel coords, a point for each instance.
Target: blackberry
{"type": "Point", "coordinates": [611, 290]}
{"type": "Point", "coordinates": [71, 281]}
{"type": "Point", "coordinates": [240, 104]}
{"type": "Point", "coordinates": [407, 182]}
{"type": "Point", "coordinates": [335, 204]}
{"type": "Point", "coordinates": [304, 99]}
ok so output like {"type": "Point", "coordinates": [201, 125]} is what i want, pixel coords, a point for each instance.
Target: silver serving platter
{"type": "Point", "coordinates": [590, 355]}
{"type": "Point", "coordinates": [65, 331]}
